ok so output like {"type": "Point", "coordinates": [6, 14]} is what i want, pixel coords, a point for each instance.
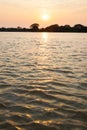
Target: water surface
{"type": "Point", "coordinates": [43, 81]}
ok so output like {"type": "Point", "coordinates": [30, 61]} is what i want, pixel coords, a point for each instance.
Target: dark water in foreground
{"type": "Point", "coordinates": [43, 81]}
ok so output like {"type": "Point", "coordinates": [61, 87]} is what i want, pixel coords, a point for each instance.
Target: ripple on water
{"type": "Point", "coordinates": [43, 83]}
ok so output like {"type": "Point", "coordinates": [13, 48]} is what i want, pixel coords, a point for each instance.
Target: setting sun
{"type": "Point", "coordinates": [45, 17]}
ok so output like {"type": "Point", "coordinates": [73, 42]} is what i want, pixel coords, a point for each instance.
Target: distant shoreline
{"type": "Point", "coordinates": [78, 28]}
{"type": "Point", "coordinates": [39, 32]}
{"type": "Point", "coordinates": [43, 32]}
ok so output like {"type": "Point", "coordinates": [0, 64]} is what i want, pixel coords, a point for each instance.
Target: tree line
{"type": "Point", "coordinates": [52, 28]}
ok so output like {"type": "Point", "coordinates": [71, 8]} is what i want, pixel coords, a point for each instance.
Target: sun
{"type": "Point", "coordinates": [45, 17]}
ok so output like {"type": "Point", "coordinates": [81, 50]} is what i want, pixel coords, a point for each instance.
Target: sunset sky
{"type": "Point", "coordinates": [23, 13]}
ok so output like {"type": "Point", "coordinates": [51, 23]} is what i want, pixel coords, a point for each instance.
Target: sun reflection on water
{"type": "Point", "coordinates": [45, 36]}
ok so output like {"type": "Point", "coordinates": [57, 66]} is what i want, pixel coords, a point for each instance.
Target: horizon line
{"type": "Point", "coordinates": [42, 27]}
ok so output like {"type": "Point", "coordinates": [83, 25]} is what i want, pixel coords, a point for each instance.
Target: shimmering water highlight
{"type": "Point", "coordinates": [43, 81]}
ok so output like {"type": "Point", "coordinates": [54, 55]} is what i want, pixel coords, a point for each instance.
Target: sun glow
{"type": "Point", "coordinates": [45, 17]}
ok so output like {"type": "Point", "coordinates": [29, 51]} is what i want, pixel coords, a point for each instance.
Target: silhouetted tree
{"type": "Point", "coordinates": [34, 27]}
{"type": "Point", "coordinates": [19, 27]}
{"type": "Point", "coordinates": [79, 28]}
{"type": "Point", "coordinates": [2, 29]}
{"type": "Point", "coordinates": [52, 28]}
{"type": "Point", "coordinates": [65, 28]}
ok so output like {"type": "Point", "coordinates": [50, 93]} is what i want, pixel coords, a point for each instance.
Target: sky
{"type": "Point", "coordinates": [23, 13]}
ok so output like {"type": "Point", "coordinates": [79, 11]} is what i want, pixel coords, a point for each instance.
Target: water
{"type": "Point", "coordinates": [43, 81]}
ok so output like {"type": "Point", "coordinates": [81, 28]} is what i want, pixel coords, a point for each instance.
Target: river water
{"type": "Point", "coordinates": [43, 81]}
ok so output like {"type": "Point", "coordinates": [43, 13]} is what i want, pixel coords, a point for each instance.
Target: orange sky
{"type": "Point", "coordinates": [23, 13]}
